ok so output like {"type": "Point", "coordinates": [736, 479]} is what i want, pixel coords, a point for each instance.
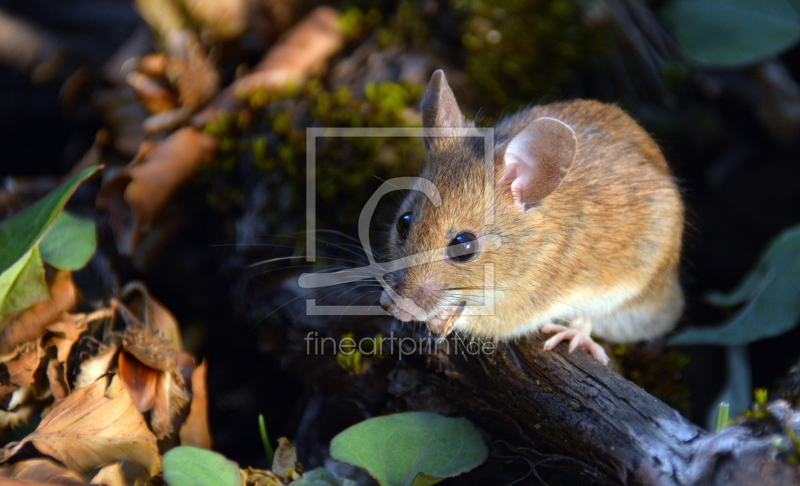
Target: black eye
{"type": "Point", "coordinates": [463, 248]}
{"type": "Point", "coordinates": [403, 224]}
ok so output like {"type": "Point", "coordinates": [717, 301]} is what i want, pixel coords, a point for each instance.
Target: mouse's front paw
{"type": "Point", "coordinates": [578, 335]}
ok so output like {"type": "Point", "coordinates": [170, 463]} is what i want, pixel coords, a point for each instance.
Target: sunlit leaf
{"type": "Point", "coordinates": [70, 241]}
{"type": "Point", "coordinates": [23, 284]}
{"type": "Point", "coordinates": [193, 466]}
{"type": "Point", "coordinates": [732, 33]}
{"type": "Point", "coordinates": [20, 233]}
{"type": "Point", "coordinates": [396, 449]}
{"type": "Point", "coordinates": [772, 288]}
{"type": "Point", "coordinates": [21, 273]}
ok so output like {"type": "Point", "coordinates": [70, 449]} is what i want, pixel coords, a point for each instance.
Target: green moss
{"type": "Point", "coordinates": [658, 373]}
{"type": "Point", "coordinates": [268, 144]}
{"type": "Point", "coordinates": [519, 51]}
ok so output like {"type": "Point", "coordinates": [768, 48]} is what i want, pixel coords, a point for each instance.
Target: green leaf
{"type": "Point", "coordinates": [70, 241]}
{"type": "Point", "coordinates": [20, 233]}
{"type": "Point", "coordinates": [773, 289]}
{"type": "Point", "coordinates": [732, 33]}
{"type": "Point", "coordinates": [193, 466]}
{"type": "Point", "coordinates": [395, 449]}
{"type": "Point", "coordinates": [323, 474]}
{"type": "Point", "coordinates": [23, 284]}
{"type": "Point", "coordinates": [21, 273]}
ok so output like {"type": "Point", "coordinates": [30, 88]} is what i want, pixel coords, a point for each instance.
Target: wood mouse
{"type": "Point", "coordinates": [589, 221]}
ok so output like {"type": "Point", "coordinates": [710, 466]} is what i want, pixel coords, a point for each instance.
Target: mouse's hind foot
{"type": "Point", "coordinates": [579, 336]}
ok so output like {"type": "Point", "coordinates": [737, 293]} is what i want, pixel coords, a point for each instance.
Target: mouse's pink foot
{"type": "Point", "coordinates": [578, 335]}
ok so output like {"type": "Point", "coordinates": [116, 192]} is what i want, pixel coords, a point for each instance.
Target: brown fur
{"type": "Point", "coordinates": [604, 244]}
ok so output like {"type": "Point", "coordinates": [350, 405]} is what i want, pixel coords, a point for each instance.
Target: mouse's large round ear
{"type": "Point", "coordinates": [439, 106]}
{"type": "Point", "coordinates": [537, 159]}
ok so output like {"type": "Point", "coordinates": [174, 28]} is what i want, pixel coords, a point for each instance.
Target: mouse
{"type": "Point", "coordinates": [583, 239]}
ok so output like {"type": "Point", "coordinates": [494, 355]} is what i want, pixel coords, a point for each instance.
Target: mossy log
{"type": "Point", "coordinates": [550, 417]}
{"type": "Point", "coordinates": [586, 424]}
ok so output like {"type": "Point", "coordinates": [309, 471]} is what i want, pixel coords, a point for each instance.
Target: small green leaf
{"type": "Point", "coordinates": [70, 241]}
{"type": "Point", "coordinates": [773, 289]}
{"type": "Point", "coordinates": [193, 466]}
{"type": "Point", "coordinates": [395, 449]}
{"type": "Point", "coordinates": [311, 482]}
{"type": "Point", "coordinates": [23, 284]}
{"type": "Point", "coordinates": [323, 475]}
{"type": "Point", "coordinates": [732, 33]}
{"type": "Point", "coordinates": [21, 272]}
{"type": "Point", "coordinates": [20, 233]}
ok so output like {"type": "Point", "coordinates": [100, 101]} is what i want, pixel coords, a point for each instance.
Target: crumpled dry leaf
{"type": "Point", "coordinates": [219, 20]}
{"type": "Point", "coordinates": [94, 426]}
{"type": "Point", "coordinates": [66, 331]}
{"type": "Point", "coordinates": [137, 194]}
{"type": "Point", "coordinates": [24, 364]}
{"type": "Point", "coordinates": [152, 314]}
{"type": "Point", "coordinates": [285, 463]}
{"type": "Point", "coordinates": [123, 473]}
{"type": "Point", "coordinates": [57, 379]}
{"type": "Point", "coordinates": [303, 51]}
{"type": "Point", "coordinates": [41, 471]}
{"type": "Point", "coordinates": [171, 405]}
{"type": "Point", "coordinates": [91, 368]}
{"type": "Point", "coordinates": [261, 477]}
{"type": "Point", "coordinates": [154, 93]}
{"type": "Point", "coordinates": [31, 323]}
{"type": "Point", "coordinates": [195, 430]}
{"type": "Point", "coordinates": [139, 379]}
{"type": "Point", "coordinates": [192, 75]}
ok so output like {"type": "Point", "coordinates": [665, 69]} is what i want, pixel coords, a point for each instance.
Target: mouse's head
{"type": "Point", "coordinates": [457, 262]}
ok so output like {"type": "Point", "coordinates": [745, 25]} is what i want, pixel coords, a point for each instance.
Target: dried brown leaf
{"type": "Point", "coordinates": [301, 52]}
{"type": "Point", "coordinates": [152, 314]}
{"type": "Point", "coordinates": [123, 473]}
{"type": "Point", "coordinates": [94, 426]}
{"type": "Point", "coordinates": [138, 193]}
{"type": "Point", "coordinates": [57, 378]}
{"type": "Point", "coordinates": [219, 20]}
{"type": "Point", "coordinates": [191, 74]}
{"type": "Point", "coordinates": [93, 367]}
{"type": "Point", "coordinates": [154, 65]}
{"type": "Point", "coordinates": [148, 347]}
{"type": "Point", "coordinates": [261, 477]}
{"type": "Point", "coordinates": [20, 413]}
{"type": "Point", "coordinates": [31, 323]}
{"type": "Point", "coordinates": [65, 332]}
{"type": "Point", "coordinates": [41, 471]}
{"type": "Point", "coordinates": [139, 379]}
{"type": "Point", "coordinates": [154, 93]}
{"type": "Point", "coordinates": [195, 431]}
{"type": "Point", "coordinates": [21, 369]}
{"type": "Point", "coordinates": [172, 401]}
{"type": "Point", "coordinates": [285, 463]}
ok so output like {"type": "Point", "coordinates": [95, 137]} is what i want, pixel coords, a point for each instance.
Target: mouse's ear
{"type": "Point", "coordinates": [538, 158]}
{"type": "Point", "coordinates": [439, 106]}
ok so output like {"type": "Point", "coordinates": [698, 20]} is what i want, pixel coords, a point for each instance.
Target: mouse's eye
{"type": "Point", "coordinates": [404, 224]}
{"type": "Point", "coordinates": [463, 248]}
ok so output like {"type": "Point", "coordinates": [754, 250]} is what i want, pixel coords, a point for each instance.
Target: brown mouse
{"type": "Point", "coordinates": [588, 218]}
